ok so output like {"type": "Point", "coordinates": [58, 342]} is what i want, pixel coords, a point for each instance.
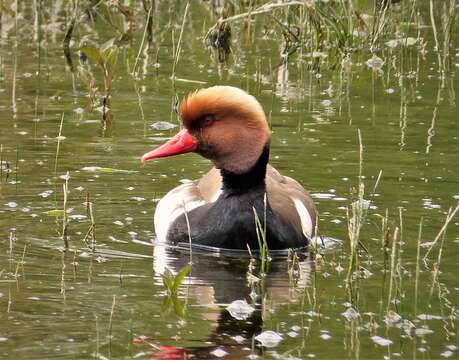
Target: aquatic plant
{"type": "Point", "coordinates": [218, 38]}
{"type": "Point", "coordinates": [179, 43]}
{"type": "Point", "coordinates": [261, 237]}
{"type": "Point", "coordinates": [172, 283]}
{"type": "Point", "coordinates": [65, 220]}
{"type": "Point", "coordinates": [59, 138]}
{"type": "Point", "coordinates": [106, 57]}
{"type": "Point", "coordinates": [90, 236]}
{"type": "Point", "coordinates": [87, 76]}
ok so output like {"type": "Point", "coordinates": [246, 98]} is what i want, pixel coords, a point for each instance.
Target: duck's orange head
{"type": "Point", "coordinates": [223, 124]}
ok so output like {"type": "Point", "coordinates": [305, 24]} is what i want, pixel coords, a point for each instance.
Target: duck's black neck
{"type": "Point", "coordinates": [254, 178]}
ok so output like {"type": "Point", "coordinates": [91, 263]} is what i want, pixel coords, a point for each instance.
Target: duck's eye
{"type": "Point", "coordinates": [207, 120]}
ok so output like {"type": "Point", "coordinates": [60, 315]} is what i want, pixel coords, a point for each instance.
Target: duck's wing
{"type": "Point", "coordinates": [210, 185]}
{"type": "Point", "coordinates": [186, 197]}
{"type": "Point", "coordinates": [288, 198]}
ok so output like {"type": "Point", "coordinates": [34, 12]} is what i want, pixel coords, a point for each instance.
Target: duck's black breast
{"type": "Point", "coordinates": [230, 223]}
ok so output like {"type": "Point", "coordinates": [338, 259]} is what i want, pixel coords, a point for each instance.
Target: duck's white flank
{"type": "Point", "coordinates": [183, 198]}
{"type": "Point", "coordinates": [306, 221]}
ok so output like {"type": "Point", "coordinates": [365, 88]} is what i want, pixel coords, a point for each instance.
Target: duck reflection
{"type": "Point", "coordinates": [215, 282]}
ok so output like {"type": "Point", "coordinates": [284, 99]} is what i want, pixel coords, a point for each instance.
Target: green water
{"type": "Point", "coordinates": [111, 303]}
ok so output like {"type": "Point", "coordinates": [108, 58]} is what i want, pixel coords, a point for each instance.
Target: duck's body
{"type": "Point", "coordinates": [218, 209]}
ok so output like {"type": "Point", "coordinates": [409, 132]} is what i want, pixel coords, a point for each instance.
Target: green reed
{"type": "Point", "coordinates": [179, 43]}
{"type": "Point", "coordinates": [65, 220]}
{"type": "Point", "coordinates": [110, 325]}
{"type": "Point", "coordinates": [58, 145]}
{"type": "Point", "coordinates": [262, 238]}
{"type": "Point", "coordinates": [106, 57]}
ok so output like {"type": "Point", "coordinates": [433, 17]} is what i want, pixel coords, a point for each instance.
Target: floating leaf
{"type": "Point", "coordinates": [429, 317]}
{"type": "Point", "coordinates": [381, 341]}
{"type": "Point", "coordinates": [179, 278]}
{"type": "Point", "coordinates": [269, 338]}
{"type": "Point", "coordinates": [111, 60]}
{"type": "Point", "coordinates": [55, 212]}
{"type": "Point", "coordinates": [219, 352]}
{"type": "Point", "coordinates": [240, 310]}
{"type": "Point", "coordinates": [168, 280]}
{"type": "Point", "coordinates": [351, 314]}
{"type": "Point", "coordinates": [376, 63]}
{"type": "Point", "coordinates": [106, 170]}
{"type": "Point", "coordinates": [190, 81]}
{"type": "Point", "coordinates": [163, 125]}
{"type": "Point", "coordinates": [107, 46]}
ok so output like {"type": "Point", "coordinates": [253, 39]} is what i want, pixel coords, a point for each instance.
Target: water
{"type": "Point", "coordinates": [112, 303]}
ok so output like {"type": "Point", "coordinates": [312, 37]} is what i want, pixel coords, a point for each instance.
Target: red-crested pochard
{"type": "Point", "coordinates": [228, 126]}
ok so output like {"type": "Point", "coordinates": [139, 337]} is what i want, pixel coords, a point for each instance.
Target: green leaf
{"type": "Point", "coordinates": [179, 278]}
{"type": "Point", "coordinates": [111, 61]}
{"type": "Point", "coordinates": [167, 304]}
{"type": "Point", "coordinates": [107, 170]}
{"type": "Point", "coordinates": [178, 307]}
{"type": "Point", "coordinates": [107, 46]}
{"type": "Point", "coordinates": [130, 56]}
{"type": "Point", "coordinates": [93, 53]}
{"type": "Point", "coordinates": [54, 212]}
{"type": "Point", "coordinates": [168, 280]}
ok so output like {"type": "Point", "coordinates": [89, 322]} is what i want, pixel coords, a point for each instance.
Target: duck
{"type": "Point", "coordinates": [228, 126]}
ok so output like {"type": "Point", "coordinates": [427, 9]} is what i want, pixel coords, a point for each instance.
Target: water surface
{"type": "Point", "coordinates": [110, 302]}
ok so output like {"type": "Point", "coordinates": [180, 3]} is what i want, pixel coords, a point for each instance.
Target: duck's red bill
{"type": "Point", "coordinates": [181, 143]}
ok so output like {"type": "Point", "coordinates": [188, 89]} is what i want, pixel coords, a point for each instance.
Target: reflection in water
{"type": "Point", "coordinates": [106, 126]}
{"type": "Point", "coordinates": [218, 281]}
